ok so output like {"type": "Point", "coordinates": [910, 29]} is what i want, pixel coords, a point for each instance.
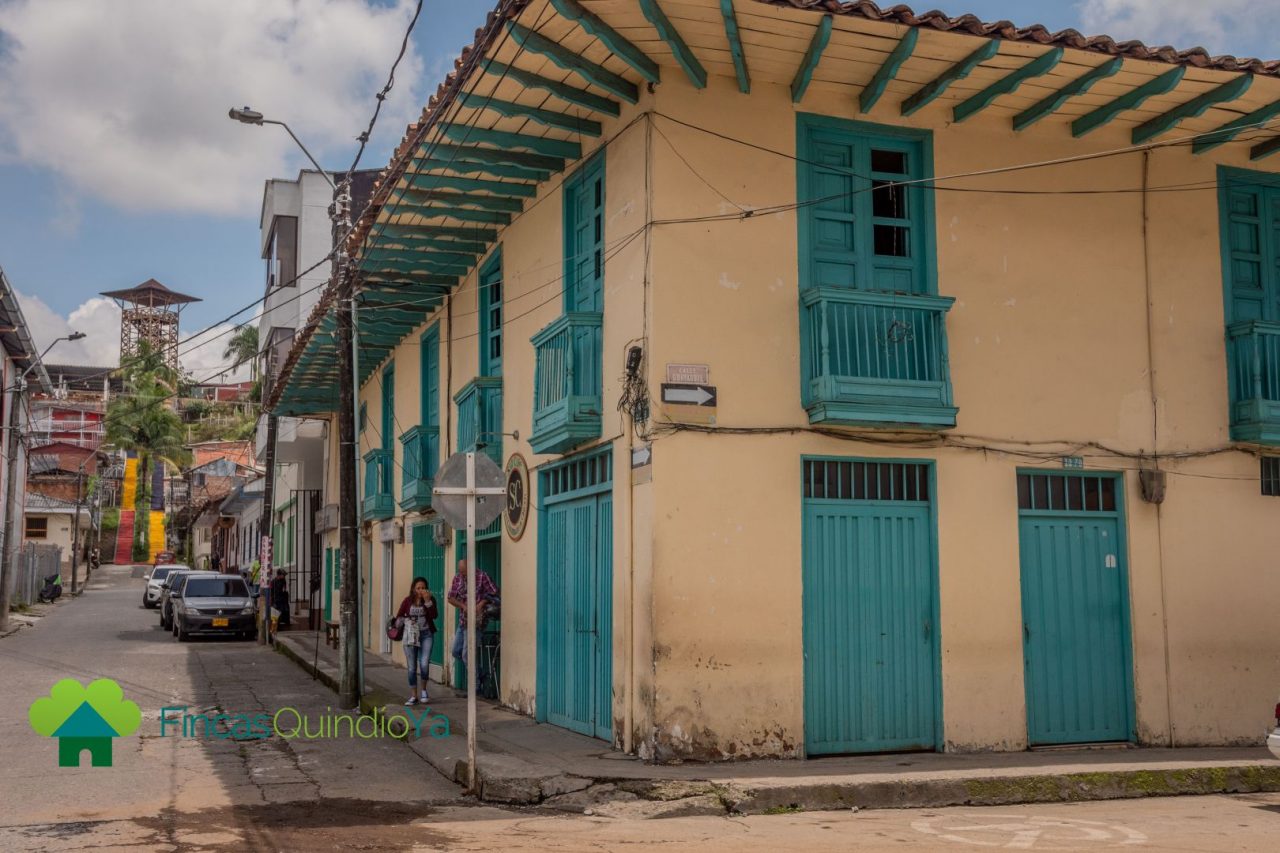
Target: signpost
{"type": "Point", "coordinates": [469, 494]}
{"type": "Point", "coordinates": [689, 394]}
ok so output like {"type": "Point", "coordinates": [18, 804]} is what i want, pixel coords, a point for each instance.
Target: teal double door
{"type": "Point", "coordinates": [428, 562]}
{"type": "Point", "coordinates": [575, 597]}
{"type": "Point", "coordinates": [1075, 608]}
{"type": "Point", "coordinates": [869, 607]}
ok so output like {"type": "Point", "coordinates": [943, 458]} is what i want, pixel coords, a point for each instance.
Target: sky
{"type": "Point", "coordinates": [118, 162]}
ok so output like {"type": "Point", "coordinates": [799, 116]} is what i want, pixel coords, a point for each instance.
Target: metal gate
{"type": "Point", "coordinates": [870, 607]}
{"type": "Point", "coordinates": [304, 549]}
{"type": "Point", "coordinates": [575, 596]}
{"type": "Point", "coordinates": [1075, 608]}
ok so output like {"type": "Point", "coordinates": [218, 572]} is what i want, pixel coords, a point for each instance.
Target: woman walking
{"type": "Point", "coordinates": [417, 619]}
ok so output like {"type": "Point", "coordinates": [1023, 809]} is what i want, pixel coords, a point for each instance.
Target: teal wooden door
{"type": "Point", "coordinates": [575, 608]}
{"type": "Point", "coordinates": [869, 608]}
{"type": "Point", "coordinates": [1074, 609]}
{"type": "Point", "coordinates": [428, 562]}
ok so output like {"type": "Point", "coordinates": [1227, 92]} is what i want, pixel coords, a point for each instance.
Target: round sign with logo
{"type": "Point", "coordinates": [516, 513]}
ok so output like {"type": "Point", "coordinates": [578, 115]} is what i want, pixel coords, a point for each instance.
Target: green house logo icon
{"type": "Point", "coordinates": [84, 719]}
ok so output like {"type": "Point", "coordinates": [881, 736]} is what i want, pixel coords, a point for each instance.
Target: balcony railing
{"type": "Point", "coordinates": [567, 383]}
{"type": "Point", "coordinates": [378, 476]}
{"type": "Point", "coordinates": [876, 359]}
{"type": "Point", "coordinates": [480, 416]}
{"type": "Point", "coordinates": [1253, 354]}
{"type": "Point", "coordinates": [421, 459]}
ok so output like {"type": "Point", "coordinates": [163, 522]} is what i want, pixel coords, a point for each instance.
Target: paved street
{"type": "Point", "coordinates": [171, 793]}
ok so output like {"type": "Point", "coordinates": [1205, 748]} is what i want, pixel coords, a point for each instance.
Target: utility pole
{"type": "Point", "coordinates": [75, 528]}
{"type": "Point", "coordinates": [9, 557]}
{"type": "Point", "coordinates": [349, 675]}
{"type": "Point", "coordinates": [266, 549]}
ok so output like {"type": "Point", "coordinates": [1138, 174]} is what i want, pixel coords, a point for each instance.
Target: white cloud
{"type": "Point", "coordinates": [99, 319]}
{"type": "Point", "coordinates": [128, 101]}
{"type": "Point", "coordinates": [1239, 27]}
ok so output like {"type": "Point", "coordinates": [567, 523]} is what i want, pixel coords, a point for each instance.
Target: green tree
{"type": "Point", "coordinates": [243, 349]}
{"type": "Point", "coordinates": [143, 420]}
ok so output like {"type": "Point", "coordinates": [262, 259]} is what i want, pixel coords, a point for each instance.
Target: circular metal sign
{"type": "Point", "coordinates": [453, 475]}
{"type": "Point", "coordinates": [516, 514]}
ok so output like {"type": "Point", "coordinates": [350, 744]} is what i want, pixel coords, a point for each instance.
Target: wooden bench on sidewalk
{"type": "Point", "coordinates": [331, 633]}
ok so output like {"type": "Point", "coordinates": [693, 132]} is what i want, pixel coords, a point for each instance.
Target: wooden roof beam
{"type": "Point", "coordinates": [415, 244]}
{"type": "Point", "coordinates": [809, 64]}
{"type": "Point", "coordinates": [505, 189]}
{"type": "Point", "coordinates": [438, 211]}
{"type": "Point", "coordinates": [571, 94]}
{"type": "Point", "coordinates": [889, 70]}
{"type": "Point", "coordinates": [487, 202]}
{"type": "Point", "coordinates": [596, 75]}
{"type": "Point", "coordinates": [476, 154]}
{"type": "Point", "coordinates": [1078, 86]}
{"type": "Point", "coordinates": [1132, 99]}
{"type": "Point", "coordinates": [611, 38]}
{"type": "Point", "coordinates": [537, 144]}
{"type": "Point", "coordinates": [667, 31]}
{"type": "Point", "coordinates": [1230, 130]}
{"type": "Point", "coordinates": [1038, 67]}
{"type": "Point", "coordinates": [1228, 91]}
{"type": "Point", "coordinates": [487, 235]}
{"type": "Point", "coordinates": [962, 69]}
{"type": "Point", "coordinates": [376, 255]}
{"type": "Point", "coordinates": [1265, 149]}
{"type": "Point", "coordinates": [550, 118]}
{"type": "Point", "coordinates": [738, 52]}
{"type": "Point", "coordinates": [466, 167]}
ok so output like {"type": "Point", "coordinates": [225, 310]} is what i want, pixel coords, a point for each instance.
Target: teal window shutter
{"type": "Point", "coordinates": [584, 238]}
{"type": "Point", "coordinates": [430, 385]}
{"type": "Point", "coordinates": [866, 216]}
{"type": "Point", "coordinates": [491, 316]}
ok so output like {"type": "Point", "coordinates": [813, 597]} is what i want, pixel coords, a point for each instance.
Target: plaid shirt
{"type": "Point", "coordinates": [484, 590]}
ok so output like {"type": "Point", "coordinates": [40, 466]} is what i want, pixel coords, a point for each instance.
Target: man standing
{"type": "Point", "coordinates": [485, 592]}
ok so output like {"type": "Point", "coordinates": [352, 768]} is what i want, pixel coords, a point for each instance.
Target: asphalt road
{"type": "Point", "coordinates": [210, 794]}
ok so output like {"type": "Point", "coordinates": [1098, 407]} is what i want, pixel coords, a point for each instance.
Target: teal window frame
{"type": "Point", "coordinates": [1252, 337]}
{"type": "Point", "coordinates": [922, 216]}
{"type": "Point", "coordinates": [422, 442]}
{"type": "Point", "coordinates": [490, 306]}
{"type": "Point", "coordinates": [583, 179]}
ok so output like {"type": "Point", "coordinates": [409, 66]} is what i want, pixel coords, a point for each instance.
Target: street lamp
{"type": "Point", "coordinates": [350, 668]}
{"type": "Point", "coordinates": [244, 115]}
{"type": "Point", "coordinates": [7, 552]}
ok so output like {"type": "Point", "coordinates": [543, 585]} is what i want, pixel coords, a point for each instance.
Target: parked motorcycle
{"type": "Point", "coordinates": [52, 588]}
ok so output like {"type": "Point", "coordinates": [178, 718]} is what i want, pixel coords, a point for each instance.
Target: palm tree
{"type": "Point", "coordinates": [143, 420]}
{"type": "Point", "coordinates": [242, 348]}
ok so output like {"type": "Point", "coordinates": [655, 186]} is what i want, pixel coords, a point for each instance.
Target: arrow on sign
{"type": "Point", "coordinates": [693, 395]}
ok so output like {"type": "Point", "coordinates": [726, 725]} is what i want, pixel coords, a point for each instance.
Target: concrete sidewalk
{"type": "Point", "coordinates": [525, 762]}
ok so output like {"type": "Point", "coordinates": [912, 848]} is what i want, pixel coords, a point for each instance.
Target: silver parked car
{"type": "Point", "coordinates": [213, 604]}
{"type": "Point", "coordinates": [166, 596]}
{"type": "Point", "coordinates": [151, 595]}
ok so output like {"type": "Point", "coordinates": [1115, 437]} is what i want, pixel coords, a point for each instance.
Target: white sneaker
{"type": "Point", "coordinates": [422, 700]}
{"type": "Point", "coordinates": [412, 700]}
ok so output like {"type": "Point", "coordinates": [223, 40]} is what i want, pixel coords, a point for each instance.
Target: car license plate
{"type": "Point", "coordinates": [220, 623]}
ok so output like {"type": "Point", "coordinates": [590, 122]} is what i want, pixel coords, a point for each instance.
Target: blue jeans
{"type": "Point", "coordinates": [418, 659]}
{"type": "Point", "coordinates": [459, 649]}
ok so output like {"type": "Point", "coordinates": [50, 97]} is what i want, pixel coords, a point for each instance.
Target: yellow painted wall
{"type": "Point", "coordinates": [1048, 343]}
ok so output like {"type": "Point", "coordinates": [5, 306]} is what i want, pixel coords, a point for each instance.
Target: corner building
{"type": "Point", "coordinates": [885, 382]}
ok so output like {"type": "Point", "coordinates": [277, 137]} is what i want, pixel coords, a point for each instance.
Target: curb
{"type": "Point", "coordinates": [508, 780]}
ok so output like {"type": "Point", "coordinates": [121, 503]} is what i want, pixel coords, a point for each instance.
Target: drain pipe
{"type": "Point", "coordinates": [1155, 438]}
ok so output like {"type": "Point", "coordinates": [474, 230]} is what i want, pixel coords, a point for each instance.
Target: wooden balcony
{"type": "Point", "coordinates": [567, 383]}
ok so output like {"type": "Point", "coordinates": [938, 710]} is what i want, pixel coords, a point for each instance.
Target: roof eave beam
{"type": "Point", "coordinates": [889, 70]}
{"type": "Point", "coordinates": [1078, 86]}
{"type": "Point", "coordinates": [539, 162]}
{"type": "Point", "coordinates": [1133, 99]}
{"type": "Point", "coordinates": [1041, 65]}
{"type": "Point", "coordinates": [667, 31]}
{"type": "Point", "coordinates": [1229, 131]}
{"type": "Point", "coordinates": [611, 38]}
{"type": "Point", "coordinates": [596, 75]}
{"type": "Point", "coordinates": [1265, 149]}
{"type": "Point", "coordinates": [809, 64]}
{"type": "Point", "coordinates": [504, 189]}
{"type": "Point", "coordinates": [738, 52]}
{"type": "Point", "coordinates": [570, 94]}
{"type": "Point", "coordinates": [962, 69]}
{"type": "Point", "coordinates": [550, 118]}
{"type": "Point", "coordinates": [466, 167]}
{"type": "Point", "coordinates": [1228, 91]}
{"type": "Point", "coordinates": [486, 202]}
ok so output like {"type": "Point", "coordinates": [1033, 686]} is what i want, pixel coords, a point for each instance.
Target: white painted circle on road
{"type": "Point", "coordinates": [1018, 832]}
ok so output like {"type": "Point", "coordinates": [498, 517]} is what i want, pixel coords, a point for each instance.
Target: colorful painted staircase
{"type": "Point", "coordinates": [124, 538]}
{"type": "Point", "coordinates": [155, 523]}
{"type": "Point", "coordinates": [128, 496]}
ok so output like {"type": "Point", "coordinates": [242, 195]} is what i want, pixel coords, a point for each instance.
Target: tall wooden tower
{"type": "Point", "coordinates": [149, 312]}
